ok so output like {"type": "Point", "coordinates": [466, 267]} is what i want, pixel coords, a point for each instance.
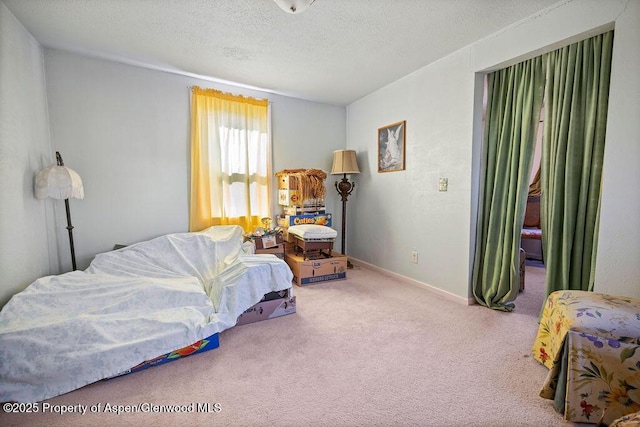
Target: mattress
{"type": "Point", "coordinates": [130, 306]}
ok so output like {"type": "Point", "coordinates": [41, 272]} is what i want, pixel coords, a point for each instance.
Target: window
{"type": "Point", "coordinates": [230, 160]}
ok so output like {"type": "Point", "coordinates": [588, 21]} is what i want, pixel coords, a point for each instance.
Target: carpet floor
{"type": "Point", "coordinates": [366, 351]}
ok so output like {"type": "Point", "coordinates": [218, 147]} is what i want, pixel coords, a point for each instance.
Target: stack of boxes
{"type": "Point", "coordinates": [295, 210]}
{"type": "Point", "coordinates": [299, 211]}
{"type": "Point", "coordinates": [273, 304]}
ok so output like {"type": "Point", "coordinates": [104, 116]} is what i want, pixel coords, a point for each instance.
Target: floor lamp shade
{"type": "Point", "coordinates": [59, 182]}
{"type": "Point", "coordinates": [344, 161]}
{"type": "Point", "coordinates": [62, 183]}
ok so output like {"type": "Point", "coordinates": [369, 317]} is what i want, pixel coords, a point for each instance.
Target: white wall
{"type": "Point", "coordinates": [618, 266]}
{"type": "Point", "coordinates": [27, 248]}
{"type": "Point", "coordinates": [392, 214]}
{"type": "Point", "coordinates": [125, 130]}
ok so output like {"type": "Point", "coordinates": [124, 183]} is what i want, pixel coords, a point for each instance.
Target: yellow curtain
{"type": "Point", "coordinates": [230, 160]}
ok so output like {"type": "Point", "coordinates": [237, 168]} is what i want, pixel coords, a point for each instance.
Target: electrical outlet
{"type": "Point", "coordinates": [414, 257]}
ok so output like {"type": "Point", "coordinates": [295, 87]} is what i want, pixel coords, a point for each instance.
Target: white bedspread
{"type": "Point", "coordinates": [130, 305]}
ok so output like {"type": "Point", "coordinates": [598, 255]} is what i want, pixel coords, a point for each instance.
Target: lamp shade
{"type": "Point", "coordinates": [58, 182]}
{"type": "Point", "coordinates": [344, 161]}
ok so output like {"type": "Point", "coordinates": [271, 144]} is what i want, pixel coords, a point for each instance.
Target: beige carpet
{"type": "Point", "coordinates": [366, 351]}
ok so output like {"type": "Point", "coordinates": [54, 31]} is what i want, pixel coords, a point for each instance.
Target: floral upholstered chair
{"type": "Point", "coordinates": [590, 343]}
{"type": "Point", "coordinates": [630, 420]}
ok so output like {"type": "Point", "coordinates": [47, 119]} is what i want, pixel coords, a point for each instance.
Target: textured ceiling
{"type": "Point", "coordinates": [337, 51]}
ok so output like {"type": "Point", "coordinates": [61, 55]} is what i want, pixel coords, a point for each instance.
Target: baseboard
{"type": "Point", "coordinates": [448, 295]}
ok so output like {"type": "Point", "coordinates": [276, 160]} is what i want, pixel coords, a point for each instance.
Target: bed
{"type": "Point", "coordinates": [129, 309]}
{"type": "Point", "coordinates": [590, 341]}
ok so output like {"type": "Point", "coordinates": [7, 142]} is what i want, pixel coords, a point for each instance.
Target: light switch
{"type": "Point", "coordinates": [443, 184]}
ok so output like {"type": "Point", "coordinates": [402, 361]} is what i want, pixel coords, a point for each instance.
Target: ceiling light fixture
{"type": "Point", "coordinates": [294, 6]}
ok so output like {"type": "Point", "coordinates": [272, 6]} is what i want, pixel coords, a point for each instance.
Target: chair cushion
{"type": "Point", "coordinates": [313, 231]}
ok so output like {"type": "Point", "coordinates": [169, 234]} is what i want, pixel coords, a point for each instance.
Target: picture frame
{"type": "Point", "coordinates": [391, 147]}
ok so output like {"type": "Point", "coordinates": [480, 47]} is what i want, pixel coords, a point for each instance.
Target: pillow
{"type": "Point", "coordinates": [313, 231]}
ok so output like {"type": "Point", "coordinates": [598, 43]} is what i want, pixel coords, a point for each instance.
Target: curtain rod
{"type": "Point", "coordinates": [191, 88]}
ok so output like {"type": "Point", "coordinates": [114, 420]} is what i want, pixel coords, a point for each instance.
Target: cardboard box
{"type": "Point", "coordinates": [205, 344]}
{"type": "Point", "coordinates": [268, 310]}
{"type": "Point", "coordinates": [316, 270]}
{"type": "Point", "coordinates": [288, 182]}
{"type": "Point", "coordinates": [290, 192]}
{"type": "Point", "coordinates": [298, 210]}
{"type": "Point", "coordinates": [277, 250]}
{"type": "Point", "coordinates": [289, 198]}
{"type": "Point", "coordinates": [319, 219]}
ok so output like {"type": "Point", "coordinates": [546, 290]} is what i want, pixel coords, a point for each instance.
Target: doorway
{"type": "Point", "coordinates": [531, 241]}
{"type": "Point", "coordinates": [575, 82]}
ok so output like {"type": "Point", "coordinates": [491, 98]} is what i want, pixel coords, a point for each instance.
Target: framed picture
{"type": "Point", "coordinates": [391, 147]}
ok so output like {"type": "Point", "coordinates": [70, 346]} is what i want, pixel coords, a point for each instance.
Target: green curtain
{"type": "Point", "coordinates": [576, 101]}
{"type": "Point", "coordinates": [511, 121]}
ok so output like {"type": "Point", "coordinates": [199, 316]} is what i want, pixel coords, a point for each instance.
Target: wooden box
{"type": "Point", "coordinates": [277, 250]}
{"type": "Point", "coordinates": [268, 241]}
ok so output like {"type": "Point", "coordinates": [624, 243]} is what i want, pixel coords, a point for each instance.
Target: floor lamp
{"type": "Point", "coordinates": [60, 182]}
{"type": "Point", "coordinates": [344, 162]}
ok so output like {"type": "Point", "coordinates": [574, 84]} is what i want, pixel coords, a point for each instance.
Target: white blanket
{"type": "Point", "coordinates": [130, 305]}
